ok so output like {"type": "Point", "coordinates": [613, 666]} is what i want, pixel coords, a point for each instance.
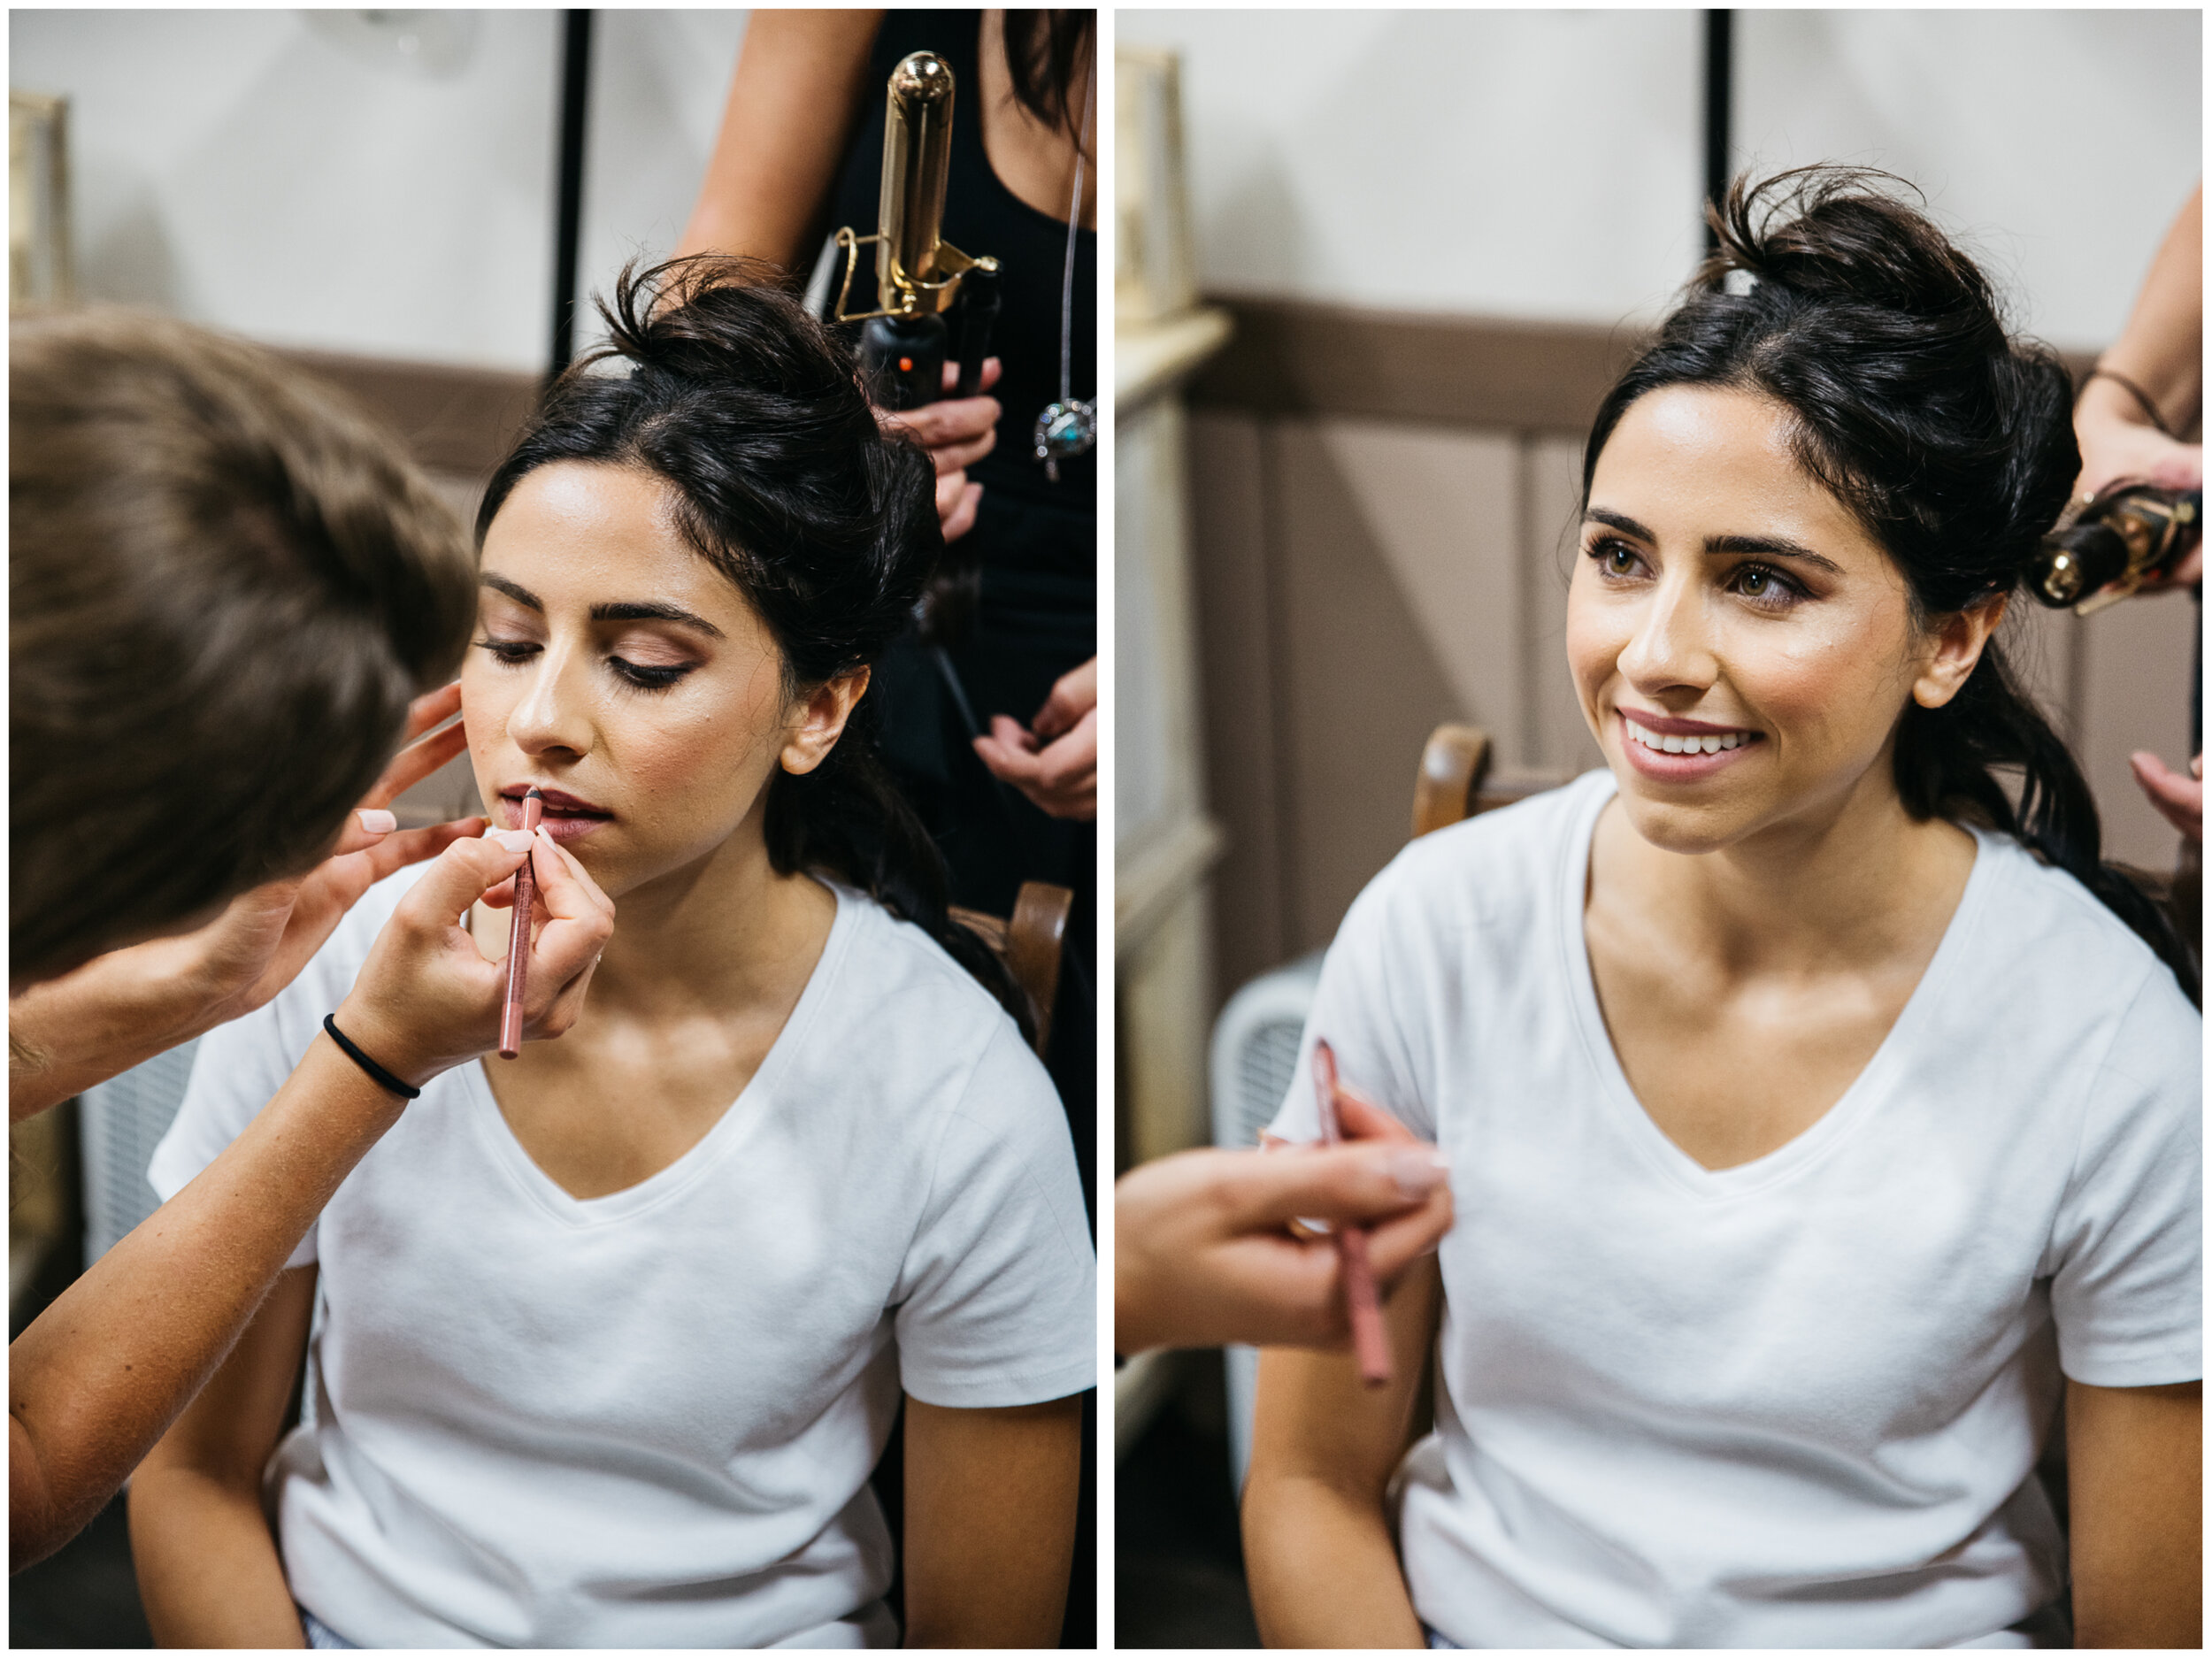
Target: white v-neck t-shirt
{"type": "Point", "coordinates": [647, 1419]}
{"type": "Point", "coordinates": [1795, 1402]}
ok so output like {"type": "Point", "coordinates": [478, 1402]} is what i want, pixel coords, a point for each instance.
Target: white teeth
{"type": "Point", "coordinates": [1712, 743]}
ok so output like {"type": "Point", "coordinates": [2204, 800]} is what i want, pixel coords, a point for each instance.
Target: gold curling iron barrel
{"type": "Point", "coordinates": [2129, 533]}
{"type": "Point", "coordinates": [920, 278]}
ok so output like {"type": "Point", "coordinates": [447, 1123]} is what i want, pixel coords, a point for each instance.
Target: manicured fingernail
{"type": "Point", "coordinates": [1418, 1169]}
{"type": "Point", "coordinates": [513, 840]}
{"type": "Point", "coordinates": [376, 823]}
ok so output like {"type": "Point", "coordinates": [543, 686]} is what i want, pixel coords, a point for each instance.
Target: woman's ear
{"type": "Point", "coordinates": [1958, 642]}
{"type": "Point", "coordinates": [821, 722]}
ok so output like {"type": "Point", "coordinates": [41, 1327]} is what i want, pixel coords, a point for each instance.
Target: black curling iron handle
{"type": "Point", "coordinates": [978, 312]}
{"type": "Point", "coordinates": [903, 358]}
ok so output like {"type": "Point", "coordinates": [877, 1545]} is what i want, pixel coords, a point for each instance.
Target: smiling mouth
{"type": "Point", "coordinates": [1709, 740]}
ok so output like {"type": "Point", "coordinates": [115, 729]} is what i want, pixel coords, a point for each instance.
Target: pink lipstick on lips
{"type": "Point", "coordinates": [1671, 750]}
{"type": "Point", "coordinates": [567, 817]}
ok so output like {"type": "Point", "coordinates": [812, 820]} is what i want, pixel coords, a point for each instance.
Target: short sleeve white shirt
{"type": "Point", "coordinates": [1792, 1403]}
{"type": "Point", "coordinates": [647, 1419]}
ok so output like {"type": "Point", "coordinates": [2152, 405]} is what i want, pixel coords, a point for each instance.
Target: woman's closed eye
{"type": "Point", "coordinates": [513, 653]}
{"type": "Point", "coordinates": [650, 677]}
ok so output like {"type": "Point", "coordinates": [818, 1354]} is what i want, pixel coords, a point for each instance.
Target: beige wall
{"type": "Point", "coordinates": [1361, 580]}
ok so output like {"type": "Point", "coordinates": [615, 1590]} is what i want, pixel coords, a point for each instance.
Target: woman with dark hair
{"type": "Point", "coordinates": [611, 1337]}
{"type": "Point", "coordinates": [1822, 1114]}
{"type": "Point", "coordinates": [1011, 615]}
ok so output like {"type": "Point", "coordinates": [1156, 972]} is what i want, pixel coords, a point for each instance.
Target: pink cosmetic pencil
{"type": "Point", "coordinates": [518, 938]}
{"type": "Point", "coordinates": [1362, 1305]}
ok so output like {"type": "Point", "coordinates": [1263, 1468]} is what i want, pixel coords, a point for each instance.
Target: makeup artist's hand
{"type": "Point", "coordinates": [1053, 759]}
{"type": "Point", "coordinates": [426, 999]}
{"type": "Point", "coordinates": [123, 1008]}
{"type": "Point", "coordinates": [1203, 1250]}
{"type": "Point", "coordinates": [957, 433]}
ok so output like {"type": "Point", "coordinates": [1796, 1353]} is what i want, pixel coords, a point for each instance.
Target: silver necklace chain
{"type": "Point", "coordinates": [1069, 428]}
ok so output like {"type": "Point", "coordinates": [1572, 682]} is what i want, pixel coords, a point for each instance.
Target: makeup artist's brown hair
{"type": "Point", "coordinates": [225, 585]}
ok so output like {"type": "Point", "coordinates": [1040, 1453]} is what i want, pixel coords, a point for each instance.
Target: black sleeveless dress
{"type": "Point", "coordinates": [1035, 542]}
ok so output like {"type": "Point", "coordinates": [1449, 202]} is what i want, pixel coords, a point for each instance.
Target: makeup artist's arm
{"type": "Point", "coordinates": [990, 1521]}
{"type": "Point", "coordinates": [2134, 1477]}
{"type": "Point", "coordinates": [209, 1572]}
{"type": "Point", "coordinates": [122, 1009]}
{"type": "Point", "coordinates": [1317, 1549]}
{"type": "Point", "coordinates": [100, 1375]}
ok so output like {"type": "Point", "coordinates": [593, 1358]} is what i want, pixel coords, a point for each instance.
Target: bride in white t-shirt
{"type": "Point", "coordinates": [1820, 1121]}
{"type": "Point", "coordinates": [606, 1340]}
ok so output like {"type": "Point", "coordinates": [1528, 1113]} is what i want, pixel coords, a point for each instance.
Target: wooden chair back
{"type": "Point", "coordinates": [1456, 780]}
{"type": "Point", "coordinates": [1029, 942]}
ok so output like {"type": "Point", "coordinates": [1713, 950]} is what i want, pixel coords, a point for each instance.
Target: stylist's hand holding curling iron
{"type": "Point", "coordinates": [1204, 1252]}
{"type": "Point", "coordinates": [123, 1008]}
{"type": "Point", "coordinates": [101, 1374]}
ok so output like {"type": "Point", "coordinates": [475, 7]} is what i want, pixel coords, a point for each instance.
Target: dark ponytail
{"type": "Point", "coordinates": [753, 414]}
{"type": "Point", "coordinates": [1951, 441]}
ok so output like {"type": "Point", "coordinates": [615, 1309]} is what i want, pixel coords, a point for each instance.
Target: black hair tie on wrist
{"type": "Point", "coordinates": [382, 1078]}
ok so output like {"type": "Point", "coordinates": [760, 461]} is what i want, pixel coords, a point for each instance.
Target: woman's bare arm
{"type": "Point", "coordinates": [2134, 1481]}
{"type": "Point", "coordinates": [793, 103]}
{"type": "Point", "coordinates": [103, 1372]}
{"type": "Point", "coordinates": [990, 1521]}
{"type": "Point", "coordinates": [209, 1571]}
{"type": "Point", "coordinates": [1317, 1548]}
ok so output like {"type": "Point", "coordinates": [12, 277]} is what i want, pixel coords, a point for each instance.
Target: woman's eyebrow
{"type": "Point", "coordinates": [1770, 547]}
{"type": "Point", "coordinates": [514, 590]}
{"type": "Point", "coordinates": [626, 611]}
{"type": "Point", "coordinates": [638, 611]}
{"type": "Point", "coordinates": [1765, 546]}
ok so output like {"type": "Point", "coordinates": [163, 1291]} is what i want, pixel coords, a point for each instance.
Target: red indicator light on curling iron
{"type": "Point", "coordinates": [906, 365]}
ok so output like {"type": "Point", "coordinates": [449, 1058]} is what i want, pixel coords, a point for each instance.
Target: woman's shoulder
{"type": "Point", "coordinates": [900, 988]}
{"type": "Point", "coordinates": [1491, 872]}
{"type": "Point", "coordinates": [2038, 926]}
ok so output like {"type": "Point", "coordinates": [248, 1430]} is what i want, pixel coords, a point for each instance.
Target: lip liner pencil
{"type": "Point", "coordinates": [518, 937]}
{"type": "Point", "coordinates": [1362, 1305]}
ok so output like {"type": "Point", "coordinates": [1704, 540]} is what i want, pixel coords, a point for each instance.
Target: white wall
{"type": "Point", "coordinates": [2059, 144]}
{"type": "Point", "coordinates": [1548, 164]}
{"type": "Point", "coordinates": [254, 171]}
{"type": "Point", "coordinates": [1522, 163]}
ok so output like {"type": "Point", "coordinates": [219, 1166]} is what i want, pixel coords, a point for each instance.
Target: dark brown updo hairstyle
{"type": "Point", "coordinates": [225, 585]}
{"type": "Point", "coordinates": [1952, 443]}
{"type": "Point", "coordinates": [715, 379]}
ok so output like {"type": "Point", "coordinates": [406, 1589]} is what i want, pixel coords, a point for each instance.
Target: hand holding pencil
{"type": "Point", "coordinates": [1205, 1250]}
{"type": "Point", "coordinates": [426, 999]}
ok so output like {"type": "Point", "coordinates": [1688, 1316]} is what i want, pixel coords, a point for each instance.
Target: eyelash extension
{"type": "Point", "coordinates": [646, 678]}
